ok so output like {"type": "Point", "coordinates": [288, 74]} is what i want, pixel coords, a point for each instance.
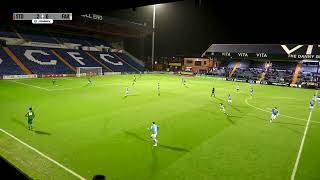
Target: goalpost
{"type": "Point", "coordinates": [89, 71]}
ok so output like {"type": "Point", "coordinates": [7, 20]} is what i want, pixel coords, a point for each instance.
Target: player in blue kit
{"type": "Point", "coordinates": [251, 83]}
{"type": "Point", "coordinates": [312, 103]}
{"type": "Point", "coordinates": [316, 98]}
{"type": "Point", "coordinates": [154, 129]}
{"type": "Point", "coordinates": [274, 114]}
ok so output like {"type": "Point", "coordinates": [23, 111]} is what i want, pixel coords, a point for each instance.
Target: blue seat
{"type": "Point", "coordinates": [85, 61]}
{"type": "Point", "coordinates": [8, 66]}
{"type": "Point", "coordinates": [114, 63]}
{"type": "Point", "coordinates": [130, 61]}
{"type": "Point", "coordinates": [39, 38]}
{"type": "Point", "coordinates": [8, 34]}
{"type": "Point", "coordinates": [44, 66]}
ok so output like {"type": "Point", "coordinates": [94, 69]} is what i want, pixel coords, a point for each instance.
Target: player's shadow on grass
{"type": "Point", "coordinates": [235, 108]}
{"type": "Point", "coordinates": [174, 148]}
{"type": "Point", "coordinates": [218, 98]}
{"type": "Point", "coordinates": [154, 163]}
{"type": "Point", "coordinates": [159, 145]}
{"type": "Point", "coordinates": [262, 119]}
{"type": "Point", "coordinates": [277, 122]}
{"type": "Point", "coordinates": [229, 118]}
{"type": "Point", "coordinates": [281, 124]}
{"type": "Point", "coordinates": [42, 132]}
{"type": "Point", "coordinates": [19, 122]}
{"type": "Point", "coordinates": [290, 129]}
{"type": "Point", "coordinates": [136, 136]}
{"type": "Point", "coordinates": [25, 126]}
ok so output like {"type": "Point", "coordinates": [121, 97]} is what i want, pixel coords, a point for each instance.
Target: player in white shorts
{"type": "Point", "coordinates": [312, 103]}
{"type": "Point", "coordinates": [274, 114]}
{"type": "Point", "coordinates": [229, 99]}
{"type": "Point", "coordinates": [154, 129]}
{"type": "Point", "coordinates": [126, 92]}
{"type": "Point", "coordinates": [223, 109]}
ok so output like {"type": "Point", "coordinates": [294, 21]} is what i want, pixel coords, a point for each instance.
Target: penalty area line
{"type": "Point", "coordinates": [294, 171]}
{"type": "Point", "coordinates": [30, 85]}
{"type": "Point", "coordinates": [246, 101]}
{"type": "Point", "coordinates": [43, 155]}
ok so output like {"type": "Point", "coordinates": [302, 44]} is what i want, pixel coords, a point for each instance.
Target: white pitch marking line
{"type": "Point", "coordinates": [43, 155]}
{"type": "Point", "coordinates": [293, 175]}
{"type": "Point", "coordinates": [246, 101]}
{"type": "Point", "coordinates": [29, 85]}
{"type": "Point", "coordinates": [61, 89]}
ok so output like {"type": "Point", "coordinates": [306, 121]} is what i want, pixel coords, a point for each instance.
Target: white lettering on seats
{"type": "Point", "coordinates": [104, 57]}
{"type": "Point", "coordinates": [78, 59]}
{"type": "Point", "coordinates": [28, 54]}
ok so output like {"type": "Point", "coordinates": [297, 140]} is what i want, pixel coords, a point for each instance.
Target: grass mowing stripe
{"type": "Point", "coordinates": [293, 175]}
{"type": "Point", "coordinates": [43, 155]}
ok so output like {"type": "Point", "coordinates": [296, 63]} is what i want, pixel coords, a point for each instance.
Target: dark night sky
{"type": "Point", "coordinates": [182, 28]}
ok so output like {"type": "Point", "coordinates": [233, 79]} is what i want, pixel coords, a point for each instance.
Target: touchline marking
{"type": "Point", "coordinates": [43, 155]}
{"type": "Point", "coordinates": [293, 175]}
{"type": "Point", "coordinates": [30, 85]}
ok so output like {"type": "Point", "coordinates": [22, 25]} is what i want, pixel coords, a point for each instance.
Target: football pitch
{"type": "Point", "coordinates": [82, 130]}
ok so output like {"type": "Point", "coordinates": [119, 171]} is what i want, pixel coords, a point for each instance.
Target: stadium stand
{"type": "Point", "coordinates": [110, 60]}
{"type": "Point", "coordinates": [8, 66]}
{"type": "Point", "coordinates": [8, 34]}
{"type": "Point", "coordinates": [40, 60]}
{"type": "Point", "coordinates": [77, 58]}
{"type": "Point", "coordinates": [37, 58]}
{"type": "Point", "coordinates": [130, 61]}
{"type": "Point", "coordinates": [38, 38]}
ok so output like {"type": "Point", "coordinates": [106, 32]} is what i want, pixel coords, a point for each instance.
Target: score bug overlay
{"type": "Point", "coordinates": [42, 18]}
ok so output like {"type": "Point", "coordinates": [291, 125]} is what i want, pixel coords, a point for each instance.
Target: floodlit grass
{"type": "Point", "coordinates": [95, 130]}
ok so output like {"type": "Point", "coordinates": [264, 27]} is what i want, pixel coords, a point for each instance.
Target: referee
{"type": "Point", "coordinates": [212, 93]}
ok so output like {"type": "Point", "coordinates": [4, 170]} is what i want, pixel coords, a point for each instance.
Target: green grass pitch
{"type": "Point", "coordinates": [95, 130]}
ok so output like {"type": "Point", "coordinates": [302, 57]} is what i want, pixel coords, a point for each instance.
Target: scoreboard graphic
{"type": "Point", "coordinates": [42, 18]}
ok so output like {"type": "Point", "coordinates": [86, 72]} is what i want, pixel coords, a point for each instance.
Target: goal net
{"type": "Point", "coordinates": [89, 71]}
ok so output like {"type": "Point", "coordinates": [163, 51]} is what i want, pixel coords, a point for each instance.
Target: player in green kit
{"type": "Point", "coordinates": [89, 80]}
{"type": "Point", "coordinates": [54, 81]}
{"type": "Point", "coordinates": [158, 89]}
{"type": "Point", "coordinates": [134, 80]}
{"type": "Point", "coordinates": [30, 114]}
